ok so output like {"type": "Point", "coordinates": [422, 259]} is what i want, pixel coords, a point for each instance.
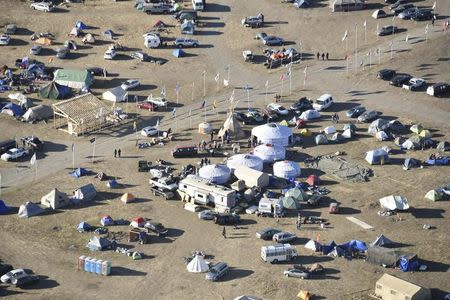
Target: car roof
{"type": "Point", "coordinates": [324, 96]}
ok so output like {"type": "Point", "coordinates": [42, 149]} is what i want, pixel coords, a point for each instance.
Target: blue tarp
{"type": "Point", "coordinates": [81, 25]}
{"type": "Point", "coordinates": [326, 249]}
{"type": "Point", "coordinates": [354, 245]}
{"type": "Point", "coordinates": [112, 183]}
{"type": "Point", "coordinates": [178, 53]}
{"type": "Point", "coordinates": [16, 109]}
{"type": "Point", "coordinates": [106, 221]}
{"type": "Point", "coordinates": [83, 227]}
{"type": "Point", "coordinates": [3, 207]}
{"type": "Point", "coordinates": [78, 173]}
{"type": "Point", "coordinates": [438, 162]}
{"type": "Point", "coordinates": [36, 69]}
{"type": "Point", "coordinates": [408, 264]}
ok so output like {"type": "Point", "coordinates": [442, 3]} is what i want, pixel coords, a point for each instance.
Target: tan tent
{"type": "Point", "coordinates": [88, 39]}
{"type": "Point", "coordinates": [127, 197]}
{"type": "Point", "coordinates": [252, 177]}
{"type": "Point", "coordinates": [55, 199]}
{"type": "Point", "coordinates": [44, 41]}
{"type": "Point", "coordinates": [304, 295]}
{"type": "Point", "coordinates": [234, 128]}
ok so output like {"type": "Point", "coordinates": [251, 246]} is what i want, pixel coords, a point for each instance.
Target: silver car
{"type": "Point", "coordinates": [284, 237]}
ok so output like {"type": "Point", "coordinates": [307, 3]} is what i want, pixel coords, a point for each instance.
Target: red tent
{"type": "Point", "coordinates": [139, 221]}
{"type": "Point", "coordinates": [313, 180]}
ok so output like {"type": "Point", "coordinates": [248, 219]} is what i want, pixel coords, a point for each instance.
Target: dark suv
{"type": "Point", "coordinates": [400, 80]}
{"type": "Point", "coordinates": [184, 151]}
{"type": "Point", "coordinates": [226, 219]}
{"type": "Point", "coordinates": [7, 145]}
{"type": "Point", "coordinates": [386, 74]}
{"type": "Point", "coordinates": [157, 228]}
{"type": "Point", "coordinates": [301, 105]}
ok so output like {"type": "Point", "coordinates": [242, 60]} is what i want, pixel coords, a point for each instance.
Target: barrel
{"type": "Point", "coordinates": [98, 267]}
{"type": "Point", "coordinates": [81, 260]}
{"type": "Point", "coordinates": [87, 264]}
{"type": "Point", "coordinates": [93, 265]}
{"type": "Point", "coordinates": [106, 268]}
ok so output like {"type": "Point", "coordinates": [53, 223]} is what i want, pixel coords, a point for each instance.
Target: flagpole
{"type": "Point", "coordinates": [290, 77]}
{"type": "Point", "coordinates": [204, 110]}
{"type": "Point", "coordinates": [248, 98]}
{"type": "Point", "coordinates": [346, 52]}
{"type": "Point", "coordinates": [267, 87]}
{"type": "Point", "coordinates": [93, 152]}
{"type": "Point", "coordinates": [204, 83]}
{"type": "Point", "coordinates": [192, 95]}
{"type": "Point", "coordinates": [356, 47]}
{"type": "Point", "coordinates": [365, 31]}
{"type": "Point", "coordinates": [190, 118]}
{"type": "Point", "coordinates": [73, 157]}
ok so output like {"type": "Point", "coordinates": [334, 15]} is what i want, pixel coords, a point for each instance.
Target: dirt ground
{"type": "Point", "coordinates": [49, 245]}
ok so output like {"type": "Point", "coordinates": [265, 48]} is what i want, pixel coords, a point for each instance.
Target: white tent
{"type": "Point", "coordinates": [270, 153]}
{"type": "Point", "coordinates": [249, 160]}
{"type": "Point", "coordinates": [379, 13]}
{"type": "Point", "coordinates": [329, 130]}
{"type": "Point", "coordinates": [55, 199]}
{"type": "Point", "coordinates": [394, 203]}
{"type": "Point", "coordinates": [37, 113]}
{"type": "Point", "coordinates": [377, 156]}
{"type": "Point", "coordinates": [252, 178]}
{"type": "Point", "coordinates": [197, 265]}
{"type": "Point", "coordinates": [347, 133]}
{"type": "Point", "coordinates": [310, 115]}
{"type": "Point", "coordinates": [381, 136]}
{"type": "Point", "coordinates": [215, 173]}
{"type": "Point", "coordinates": [378, 125]}
{"type": "Point", "coordinates": [29, 209]}
{"type": "Point", "coordinates": [286, 169]}
{"type": "Point", "coordinates": [273, 133]}
{"type": "Point", "coordinates": [117, 94]}
{"type": "Point", "coordinates": [313, 245]}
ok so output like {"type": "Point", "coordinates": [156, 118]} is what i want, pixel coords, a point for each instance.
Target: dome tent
{"type": "Point", "coordinates": [249, 160]}
{"type": "Point", "coordinates": [197, 265]}
{"type": "Point", "coordinates": [310, 115]}
{"type": "Point", "coordinates": [286, 169]}
{"type": "Point", "coordinates": [321, 139]}
{"type": "Point", "coordinates": [215, 173]}
{"type": "Point", "coordinates": [378, 125]}
{"type": "Point", "coordinates": [270, 153]}
{"type": "Point", "coordinates": [274, 134]}
{"type": "Point", "coordinates": [379, 13]}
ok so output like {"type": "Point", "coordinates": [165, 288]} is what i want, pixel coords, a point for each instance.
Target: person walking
{"type": "Point", "coordinates": [115, 152]}
{"type": "Point", "coordinates": [318, 55]}
{"type": "Point", "coordinates": [212, 136]}
{"type": "Point", "coordinates": [327, 55]}
{"type": "Point", "coordinates": [323, 56]}
{"type": "Point", "coordinates": [119, 152]}
{"type": "Point", "coordinates": [224, 233]}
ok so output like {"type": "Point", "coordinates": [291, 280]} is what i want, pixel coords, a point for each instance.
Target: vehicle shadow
{"type": "Point", "coordinates": [235, 273]}
{"type": "Point", "coordinates": [43, 283]}
{"type": "Point", "coordinates": [215, 7]}
{"type": "Point", "coordinates": [207, 32]}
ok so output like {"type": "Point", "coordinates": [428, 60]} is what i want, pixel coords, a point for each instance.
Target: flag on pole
{"type": "Point", "coordinates": [214, 105]}
{"type": "Point", "coordinates": [232, 97]}
{"type": "Point", "coordinates": [345, 35]}
{"type": "Point", "coordinates": [216, 79]}
{"type": "Point", "coordinates": [33, 159]}
{"type": "Point", "coordinates": [92, 140]}
{"type": "Point", "coordinates": [73, 147]}
{"type": "Point", "coordinates": [267, 83]}
{"type": "Point", "coordinates": [282, 77]}
{"type": "Point", "coordinates": [174, 112]}
{"type": "Point", "coordinates": [163, 91]}
{"type": "Point", "coordinates": [289, 71]}
{"type": "Point", "coordinates": [177, 88]}
{"type": "Point", "coordinates": [203, 104]}
{"type": "Point", "coordinates": [434, 5]}
{"type": "Point", "coordinates": [134, 126]}
{"type": "Point", "coordinates": [365, 23]}
{"type": "Point", "coordinates": [306, 69]}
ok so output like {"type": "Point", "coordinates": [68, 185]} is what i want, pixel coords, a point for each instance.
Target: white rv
{"type": "Point", "coordinates": [152, 41]}
{"type": "Point", "coordinates": [272, 207]}
{"type": "Point", "coordinates": [198, 5]}
{"type": "Point", "coordinates": [278, 252]}
{"type": "Point", "coordinates": [201, 191]}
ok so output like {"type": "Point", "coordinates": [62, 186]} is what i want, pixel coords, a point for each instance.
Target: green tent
{"type": "Point", "coordinates": [52, 90]}
{"type": "Point", "coordinates": [76, 79]}
{"type": "Point", "coordinates": [298, 194]}
{"type": "Point", "coordinates": [434, 195]}
{"type": "Point", "coordinates": [290, 203]}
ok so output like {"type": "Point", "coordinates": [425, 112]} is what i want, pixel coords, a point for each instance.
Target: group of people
{"type": "Point", "coordinates": [324, 55]}
{"type": "Point", "coordinates": [205, 161]}
{"type": "Point", "coordinates": [117, 153]}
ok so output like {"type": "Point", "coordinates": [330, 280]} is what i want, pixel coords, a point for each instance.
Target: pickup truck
{"type": "Point", "coordinates": [158, 8]}
{"type": "Point", "coordinates": [166, 194]}
{"type": "Point", "coordinates": [164, 183]}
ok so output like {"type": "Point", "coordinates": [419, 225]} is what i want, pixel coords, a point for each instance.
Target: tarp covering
{"type": "Point", "coordinates": [197, 265]}
{"type": "Point", "coordinates": [3, 207]}
{"type": "Point", "coordinates": [394, 203]}
{"type": "Point", "coordinates": [38, 113]}
{"type": "Point", "coordinates": [29, 209]}
{"type": "Point", "coordinates": [13, 110]}
{"type": "Point", "coordinates": [409, 263]}
{"type": "Point", "coordinates": [78, 173]}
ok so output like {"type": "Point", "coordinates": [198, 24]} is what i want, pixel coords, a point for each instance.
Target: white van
{"type": "Point", "coordinates": [152, 41]}
{"type": "Point", "coordinates": [278, 252]}
{"type": "Point", "coordinates": [198, 5]}
{"type": "Point", "coordinates": [323, 102]}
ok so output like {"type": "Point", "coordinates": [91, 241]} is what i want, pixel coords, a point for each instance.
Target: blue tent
{"type": "Point", "coordinates": [3, 207]}
{"type": "Point", "coordinates": [83, 227]}
{"type": "Point", "coordinates": [106, 221]}
{"type": "Point", "coordinates": [409, 263]}
{"type": "Point", "coordinates": [78, 173]}
{"type": "Point", "coordinates": [178, 53]}
{"type": "Point", "coordinates": [354, 245]}
{"type": "Point", "coordinates": [80, 25]}
{"type": "Point", "coordinates": [14, 109]}
{"type": "Point", "coordinates": [112, 184]}
{"type": "Point", "coordinates": [109, 33]}
{"type": "Point", "coordinates": [35, 69]}
{"type": "Point", "coordinates": [326, 249]}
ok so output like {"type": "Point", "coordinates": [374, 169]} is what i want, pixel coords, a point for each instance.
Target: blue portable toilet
{"type": "Point", "coordinates": [84, 227]}
{"type": "Point", "coordinates": [178, 53]}
{"type": "Point", "coordinates": [80, 25]}
{"type": "Point", "coordinates": [4, 208]}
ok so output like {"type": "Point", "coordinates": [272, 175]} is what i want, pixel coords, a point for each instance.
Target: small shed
{"type": "Point", "coordinates": [117, 94]}
{"type": "Point", "coordinates": [389, 287]}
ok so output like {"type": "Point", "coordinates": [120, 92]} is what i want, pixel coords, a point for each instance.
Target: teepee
{"type": "Point", "coordinates": [234, 128]}
{"type": "Point", "coordinates": [197, 265]}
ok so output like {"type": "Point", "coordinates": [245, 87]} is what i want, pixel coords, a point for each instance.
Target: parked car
{"type": "Point", "coordinates": [157, 101]}
{"type": "Point", "coordinates": [226, 219]}
{"type": "Point", "coordinates": [149, 131]}
{"type": "Point", "coordinates": [14, 153]}
{"type": "Point", "coordinates": [284, 237]}
{"type": "Point", "coordinates": [323, 102]}
{"type": "Point", "coordinates": [261, 36]}
{"type": "Point", "coordinates": [415, 84]}
{"type": "Point", "coordinates": [7, 145]}
{"type": "Point", "coordinates": [217, 271]}
{"type": "Point", "coordinates": [96, 71]}
{"type": "Point", "coordinates": [140, 56]}
{"type": "Point", "coordinates": [130, 84]}
{"type": "Point", "coordinates": [355, 112]}
{"type": "Point", "coordinates": [5, 268]}
{"type": "Point", "coordinates": [146, 105]}
{"type": "Point", "coordinates": [438, 89]}
{"type": "Point", "coordinates": [368, 116]}
{"type": "Point", "coordinates": [25, 281]}
{"type": "Point", "coordinates": [32, 142]}
{"type": "Point", "coordinates": [273, 41]}
{"type": "Point", "coordinates": [184, 151]}
{"type": "Point", "coordinates": [267, 233]}
{"type": "Point", "coordinates": [387, 30]}
{"type": "Point", "coordinates": [401, 8]}
{"type": "Point", "coordinates": [296, 273]}
{"type": "Point", "coordinates": [423, 15]}
{"type": "Point", "coordinates": [386, 74]}
{"type": "Point", "coordinates": [42, 6]}
{"type": "Point", "coordinates": [10, 29]}
{"type": "Point", "coordinates": [207, 215]}
{"type": "Point", "coordinates": [159, 8]}
{"type": "Point", "coordinates": [408, 13]}
{"type": "Point", "coordinates": [278, 109]}
{"type": "Point", "coordinates": [157, 228]}
{"type": "Point", "coordinates": [14, 274]}
{"type": "Point", "coordinates": [400, 79]}
{"type": "Point", "coordinates": [397, 3]}
{"type": "Point", "coordinates": [4, 39]}
{"type": "Point", "coordinates": [35, 50]}
{"type": "Point", "coordinates": [253, 21]}
{"type": "Point", "coordinates": [185, 42]}
{"type": "Point", "coordinates": [110, 54]}
{"type": "Point", "coordinates": [301, 105]}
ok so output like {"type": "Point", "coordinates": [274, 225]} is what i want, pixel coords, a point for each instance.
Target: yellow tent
{"type": "Point", "coordinates": [284, 123]}
{"type": "Point", "coordinates": [127, 197]}
{"type": "Point", "coordinates": [425, 134]}
{"type": "Point", "coordinates": [305, 132]}
{"type": "Point", "coordinates": [44, 41]}
{"type": "Point", "coordinates": [304, 295]}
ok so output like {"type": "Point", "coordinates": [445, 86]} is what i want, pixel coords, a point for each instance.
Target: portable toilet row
{"type": "Point", "coordinates": [92, 265]}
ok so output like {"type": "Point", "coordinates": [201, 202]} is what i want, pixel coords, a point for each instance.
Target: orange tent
{"type": "Point", "coordinates": [44, 41]}
{"type": "Point", "coordinates": [127, 197]}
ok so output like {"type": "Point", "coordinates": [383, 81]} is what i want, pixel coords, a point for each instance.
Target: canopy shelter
{"type": "Point", "coordinates": [83, 114]}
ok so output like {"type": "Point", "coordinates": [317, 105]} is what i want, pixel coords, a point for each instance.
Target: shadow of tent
{"type": "Point", "coordinates": [435, 266]}
{"type": "Point", "coordinates": [427, 213]}
{"type": "Point", "coordinates": [122, 271]}
{"type": "Point", "coordinates": [348, 211]}
{"type": "Point", "coordinates": [175, 232]}
{"type": "Point", "coordinates": [4, 292]}
{"type": "Point", "coordinates": [43, 283]}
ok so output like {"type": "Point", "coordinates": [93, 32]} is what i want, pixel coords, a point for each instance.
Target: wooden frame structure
{"type": "Point", "coordinates": [83, 114]}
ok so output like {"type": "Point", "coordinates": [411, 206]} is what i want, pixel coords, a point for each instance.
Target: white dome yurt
{"type": "Point", "coordinates": [249, 160]}
{"type": "Point", "coordinates": [215, 173]}
{"type": "Point", "coordinates": [286, 169]}
{"type": "Point", "coordinates": [270, 153]}
{"type": "Point", "coordinates": [205, 128]}
{"type": "Point", "coordinates": [274, 134]}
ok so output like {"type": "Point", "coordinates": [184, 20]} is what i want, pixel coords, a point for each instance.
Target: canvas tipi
{"type": "Point", "coordinates": [197, 265]}
{"type": "Point", "coordinates": [232, 125]}
{"type": "Point", "coordinates": [55, 199]}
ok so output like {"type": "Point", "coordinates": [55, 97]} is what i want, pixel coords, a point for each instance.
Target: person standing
{"type": "Point", "coordinates": [224, 233]}
{"type": "Point", "coordinates": [327, 55]}
{"type": "Point", "coordinates": [323, 56]}
{"type": "Point", "coordinates": [318, 55]}
{"type": "Point", "coordinates": [212, 136]}
{"type": "Point", "coordinates": [119, 152]}
{"type": "Point", "coordinates": [115, 152]}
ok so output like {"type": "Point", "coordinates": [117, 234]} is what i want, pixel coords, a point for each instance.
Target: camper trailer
{"type": "Point", "coordinates": [277, 253]}
{"type": "Point", "coordinates": [198, 5]}
{"type": "Point", "coordinates": [201, 191]}
{"type": "Point", "coordinates": [270, 207]}
{"type": "Point", "coordinates": [152, 41]}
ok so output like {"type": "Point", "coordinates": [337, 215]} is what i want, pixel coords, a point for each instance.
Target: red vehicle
{"type": "Point", "coordinates": [146, 105]}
